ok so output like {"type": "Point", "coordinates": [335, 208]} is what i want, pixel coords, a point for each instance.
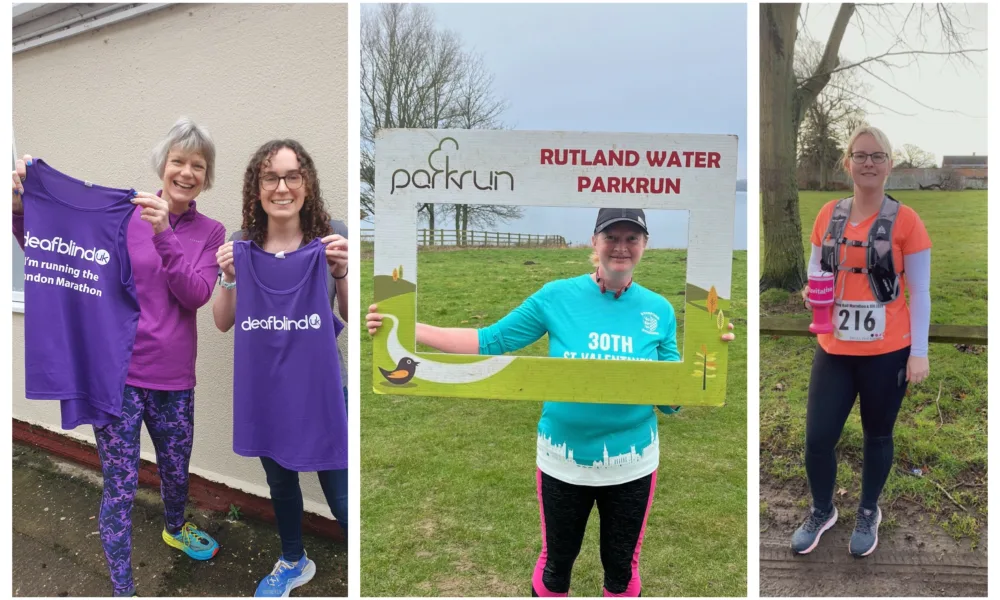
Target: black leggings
{"type": "Point", "coordinates": [565, 508]}
{"type": "Point", "coordinates": [836, 381]}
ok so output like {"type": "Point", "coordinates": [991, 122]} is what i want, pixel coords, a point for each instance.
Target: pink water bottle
{"type": "Point", "coordinates": [821, 298]}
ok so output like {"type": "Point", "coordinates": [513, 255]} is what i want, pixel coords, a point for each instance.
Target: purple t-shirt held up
{"type": "Point", "coordinates": [175, 273]}
{"type": "Point", "coordinates": [80, 306]}
{"type": "Point", "coordinates": [288, 398]}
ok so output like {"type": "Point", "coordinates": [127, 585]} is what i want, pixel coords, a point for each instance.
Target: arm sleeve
{"type": "Point", "coordinates": [522, 326]}
{"type": "Point", "coordinates": [190, 281]}
{"type": "Point", "coordinates": [918, 280]}
{"type": "Point", "coordinates": [18, 223]}
{"type": "Point", "coordinates": [814, 258]}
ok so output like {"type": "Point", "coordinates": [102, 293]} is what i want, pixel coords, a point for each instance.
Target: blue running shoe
{"type": "Point", "coordinates": [192, 541]}
{"type": "Point", "coordinates": [806, 537]}
{"type": "Point", "coordinates": [865, 536]}
{"type": "Point", "coordinates": [286, 577]}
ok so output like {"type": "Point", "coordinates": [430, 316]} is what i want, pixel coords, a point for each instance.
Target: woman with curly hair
{"type": "Point", "coordinates": [284, 218]}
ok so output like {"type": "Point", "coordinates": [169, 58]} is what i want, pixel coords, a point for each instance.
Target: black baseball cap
{"type": "Point", "coordinates": [609, 216]}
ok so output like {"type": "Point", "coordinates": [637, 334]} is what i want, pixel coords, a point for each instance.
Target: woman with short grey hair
{"type": "Point", "coordinates": [186, 136]}
{"type": "Point", "coordinates": [172, 250]}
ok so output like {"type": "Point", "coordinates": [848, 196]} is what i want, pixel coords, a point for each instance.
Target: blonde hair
{"type": "Point", "coordinates": [880, 138]}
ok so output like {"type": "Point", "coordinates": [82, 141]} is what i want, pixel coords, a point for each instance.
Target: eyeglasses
{"type": "Point", "coordinates": [293, 181]}
{"type": "Point", "coordinates": [861, 157]}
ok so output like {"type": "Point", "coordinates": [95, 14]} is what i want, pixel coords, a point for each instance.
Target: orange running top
{"type": "Point", "coordinates": [909, 236]}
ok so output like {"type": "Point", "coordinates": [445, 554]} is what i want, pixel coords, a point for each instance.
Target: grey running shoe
{"type": "Point", "coordinates": [806, 537]}
{"type": "Point", "coordinates": [865, 536]}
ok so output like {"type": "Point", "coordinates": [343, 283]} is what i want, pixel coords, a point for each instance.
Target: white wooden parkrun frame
{"type": "Point", "coordinates": [693, 173]}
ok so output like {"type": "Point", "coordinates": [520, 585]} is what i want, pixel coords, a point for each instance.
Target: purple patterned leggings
{"type": "Point", "coordinates": [169, 418]}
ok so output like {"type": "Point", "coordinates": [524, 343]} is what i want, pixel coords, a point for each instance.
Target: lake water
{"type": "Point", "coordinates": [667, 228]}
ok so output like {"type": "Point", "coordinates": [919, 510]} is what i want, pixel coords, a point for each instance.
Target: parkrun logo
{"type": "Point", "coordinates": [59, 246]}
{"type": "Point", "coordinates": [273, 323]}
{"type": "Point", "coordinates": [423, 179]}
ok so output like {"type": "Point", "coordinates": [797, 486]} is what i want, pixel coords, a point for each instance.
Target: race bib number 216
{"type": "Point", "coordinates": [859, 321]}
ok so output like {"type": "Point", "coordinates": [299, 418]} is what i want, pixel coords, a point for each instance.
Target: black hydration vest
{"type": "Point", "coordinates": [881, 271]}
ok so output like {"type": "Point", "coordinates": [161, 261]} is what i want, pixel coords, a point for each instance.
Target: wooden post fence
{"type": "Point", "coordinates": [469, 238]}
{"type": "Point", "coordinates": [941, 334]}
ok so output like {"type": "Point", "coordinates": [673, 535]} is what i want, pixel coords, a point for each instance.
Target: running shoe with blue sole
{"type": "Point", "coordinates": [806, 537]}
{"type": "Point", "coordinates": [192, 541]}
{"type": "Point", "coordinates": [285, 577]}
{"type": "Point", "coordinates": [865, 536]}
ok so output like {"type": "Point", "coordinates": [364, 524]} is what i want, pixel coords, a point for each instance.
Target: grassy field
{"type": "Point", "coordinates": [448, 486]}
{"type": "Point", "coordinates": [946, 437]}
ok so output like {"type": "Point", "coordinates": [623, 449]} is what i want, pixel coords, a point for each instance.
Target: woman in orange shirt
{"type": "Point", "coordinates": [878, 344]}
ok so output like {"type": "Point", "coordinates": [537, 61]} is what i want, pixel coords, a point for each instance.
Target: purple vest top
{"type": "Point", "coordinates": [288, 399]}
{"type": "Point", "coordinates": [80, 307]}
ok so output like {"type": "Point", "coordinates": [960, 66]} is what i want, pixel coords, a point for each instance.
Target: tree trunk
{"type": "Point", "coordinates": [430, 220]}
{"type": "Point", "coordinates": [465, 220]}
{"type": "Point", "coordinates": [784, 263]}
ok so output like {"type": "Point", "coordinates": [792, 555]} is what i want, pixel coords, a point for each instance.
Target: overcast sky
{"type": "Point", "coordinates": [613, 67]}
{"type": "Point", "coordinates": [932, 80]}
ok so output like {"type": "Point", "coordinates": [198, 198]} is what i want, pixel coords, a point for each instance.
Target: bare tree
{"type": "Point", "coordinates": [950, 179]}
{"type": "Point", "coordinates": [830, 119]}
{"type": "Point", "coordinates": [477, 108]}
{"type": "Point", "coordinates": [468, 216]}
{"type": "Point", "coordinates": [784, 102]}
{"type": "Point", "coordinates": [415, 75]}
{"type": "Point", "coordinates": [911, 156]}
{"type": "Point", "coordinates": [410, 73]}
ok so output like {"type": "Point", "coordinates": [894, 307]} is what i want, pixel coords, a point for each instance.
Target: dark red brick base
{"type": "Point", "coordinates": [202, 492]}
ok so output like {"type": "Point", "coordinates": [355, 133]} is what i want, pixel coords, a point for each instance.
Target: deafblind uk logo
{"type": "Point", "coordinates": [274, 323]}
{"type": "Point", "coordinates": [68, 248]}
{"type": "Point", "coordinates": [650, 321]}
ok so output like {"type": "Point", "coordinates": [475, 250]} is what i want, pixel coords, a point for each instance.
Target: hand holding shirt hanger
{"type": "Point", "coordinates": [336, 254]}
{"type": "Point", "coordinates": [155, 211]}
{"type": "Point", "coordinates": [17, 188]}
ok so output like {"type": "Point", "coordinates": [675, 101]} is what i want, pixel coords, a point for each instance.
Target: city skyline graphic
{"type": "Point", "coordinates": [563, 454]}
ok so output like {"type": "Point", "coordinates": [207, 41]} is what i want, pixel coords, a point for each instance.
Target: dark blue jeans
{"type": "Point", "coordinates": [286, 498]}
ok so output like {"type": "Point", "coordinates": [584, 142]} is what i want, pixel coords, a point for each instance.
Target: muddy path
{"type": "Point", "coordinates": [914, 558]}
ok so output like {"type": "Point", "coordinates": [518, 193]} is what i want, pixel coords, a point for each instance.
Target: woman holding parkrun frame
{"type": "Point", "coordinates": [284, 213]}
{"type": "Point", "coordinates": [862, 246]}
{"type": "Point", "coordinates": [171, 247]}
{"type": "Point", "coordinates": [573, 311]}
